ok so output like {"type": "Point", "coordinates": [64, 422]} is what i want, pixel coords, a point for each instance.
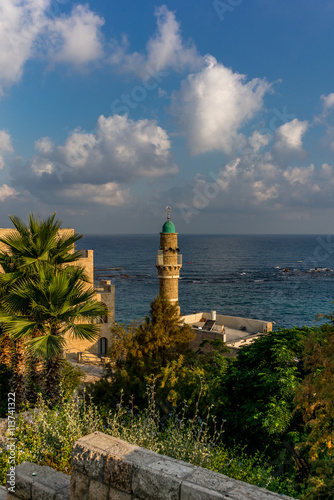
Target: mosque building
{"type": "Point", "coordinates": [234, 331]}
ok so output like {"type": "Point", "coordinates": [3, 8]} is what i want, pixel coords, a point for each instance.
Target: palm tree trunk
{"type": "Point", "coordinates": [36, 376]}
{"type": "Point", "coordinates": [19, 378]}
{"type": "Point", "coordinates": [6, 346]}
{"type": "Point", "coordinates": [52, 379]}
{"type": "Point", "coordinates": [36, 380]}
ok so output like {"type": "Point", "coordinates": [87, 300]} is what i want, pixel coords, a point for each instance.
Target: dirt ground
{"type": "Point", "coordinates": [92, 372]}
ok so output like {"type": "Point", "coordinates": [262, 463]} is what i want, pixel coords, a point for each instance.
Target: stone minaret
{"type": "Point", "coordinates": [169, 262]}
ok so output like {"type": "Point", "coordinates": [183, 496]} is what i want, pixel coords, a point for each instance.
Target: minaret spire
{"type": "Point", "coordinates": [169, 262]}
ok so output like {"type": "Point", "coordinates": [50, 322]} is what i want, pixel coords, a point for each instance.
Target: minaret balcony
{"type": "Point", "coordinates": [161, 260]}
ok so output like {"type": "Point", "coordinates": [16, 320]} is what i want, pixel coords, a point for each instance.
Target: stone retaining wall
{"type": "Point", "coordinates": [106, 468]}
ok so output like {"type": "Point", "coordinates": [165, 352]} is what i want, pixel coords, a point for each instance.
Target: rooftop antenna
{"type": "Point", "coordinates": [168, 212]}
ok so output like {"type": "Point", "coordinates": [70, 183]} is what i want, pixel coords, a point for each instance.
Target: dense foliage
{"type": "Point", "coordinates": [314, 399]}
{"type": "Point", "coordinates": [143, 353]}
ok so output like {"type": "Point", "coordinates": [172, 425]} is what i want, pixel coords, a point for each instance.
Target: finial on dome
{"type": "Point", "coordinates": [168, 227]}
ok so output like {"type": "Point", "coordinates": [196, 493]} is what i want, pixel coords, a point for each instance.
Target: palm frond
{"type": "Point", "coordinates": [87, 331]}
{"type": "Point", "coordinates": [9, 277]}
{"type": "Point", "coordinates": [20, 225]}
{"type": "Point", "coordinates": [46, 346]}
{"type": "Point", "coordinates": [93, 309]}
{"type": "Point", "coordinates": [17, 327]}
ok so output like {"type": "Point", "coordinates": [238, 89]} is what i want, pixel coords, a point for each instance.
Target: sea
{"type": "Point", "coordinates": [286, 279]}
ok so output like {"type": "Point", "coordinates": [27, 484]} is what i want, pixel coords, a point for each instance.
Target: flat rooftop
{"type": "Point", "coordinates": [235, 331]}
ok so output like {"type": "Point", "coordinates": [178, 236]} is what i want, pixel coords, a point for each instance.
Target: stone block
{"type": "Point", "coordinates": [215, 484]}
{"type": "Point", "coordinates": [106, 459]}
{"type": "Point", "coordinates": [79, 486]}
{"type": "Point", "coordinates": [250, 492]}
{"type": "Point", "coordinates": [160, 479]}
{"type": "Point", "coordinates": [65, 495]}
{"type": "Point", "coordinates": [194, 492]}
{"type": "Point", "coordinates": [88, 454]}
{"type": "Point", "coordinates": [42, 492]}
{"type": "Point", "coordinates": [24, 480]}
{"type": "Point", "coordinates": [212, 481]}
{"type": "Point", "coordinates": [119, 463]}
{"type": "Point", "coordinates": [119, 495]}
{"type": "Point", "coordinates": [98, 491]}
{"type": "Point", "coordinates": [40, 483]}
{"type": "Point", "coordinates": [118, 473]}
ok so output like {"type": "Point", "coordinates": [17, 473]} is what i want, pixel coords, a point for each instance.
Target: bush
{"type": "Point", "coordinates": [71, 377]}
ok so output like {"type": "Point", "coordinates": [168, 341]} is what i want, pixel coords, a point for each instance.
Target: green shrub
{"type": "Point", "coordinates": [71, 377]}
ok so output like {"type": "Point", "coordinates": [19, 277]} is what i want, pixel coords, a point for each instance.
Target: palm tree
{"type": "Point", "coordinates": [29, 249]}
{"type": "Point", "coordinates": [55, 305]}
{"type": "Point", "coordinates": [33, 244]}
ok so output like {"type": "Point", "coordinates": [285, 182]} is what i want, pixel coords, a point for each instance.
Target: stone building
{"type": "Point", "coordinates": [78, 349]}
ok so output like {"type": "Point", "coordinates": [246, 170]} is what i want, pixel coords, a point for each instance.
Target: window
{"type": "Point", "coordinates": [102, 347]}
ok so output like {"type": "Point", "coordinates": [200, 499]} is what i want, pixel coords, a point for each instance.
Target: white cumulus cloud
{"type": "Point", "coordinates": [299, 175]}
{"type": "Point", "coordinates": [327, 102]}
{"type": "Point", "coordinates": [288, 142]}
{"type": "Point", "coordinates": [7, 192]}
{"type": "Point", "coordinates": [213, 104]}
{"type": "Point", "coordinates": [165, 49]}
{"type": "Point", "coordinates": [76, 39]}
{"type": "Point", "coordinates": [5, 146]}
{"type": "Point", "coordinates": [122, 149]}
{"type": "Point", "coordinates": [110, 194]}
{"type": "Point", "coordinates": [97, 167]}
{"type": "Point", "coordinates": [325, 118]}
{"type": "Point", "coordinates": [44, 145]}
{"type": "Point", "coordinates": [29, 29]}
{"type": "Point", "coordinates": [21, 22]}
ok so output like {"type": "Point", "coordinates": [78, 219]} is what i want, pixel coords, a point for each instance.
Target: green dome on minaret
{"type": "Point", "coordinates": [168, 227]}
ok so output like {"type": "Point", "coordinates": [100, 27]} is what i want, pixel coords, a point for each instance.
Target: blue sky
{"type": "Point", "coordinates": [224, 110]}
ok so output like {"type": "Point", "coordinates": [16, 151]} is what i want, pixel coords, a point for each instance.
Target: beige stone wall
{"type": "Point", "coordinates": [87, 262]}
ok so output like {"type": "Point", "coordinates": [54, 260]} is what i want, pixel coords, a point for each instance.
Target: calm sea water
{"type": "Point", "coordinates": [234, 275]}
